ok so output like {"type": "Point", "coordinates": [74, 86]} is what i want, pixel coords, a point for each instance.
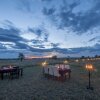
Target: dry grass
{"type": "Point", "coordinates": [33, 86]}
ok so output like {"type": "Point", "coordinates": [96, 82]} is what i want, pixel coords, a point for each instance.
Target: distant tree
{"type": "Point", "coordinates": [88, 57]}
{"type": "Point", "coordinates": [21, 56]}
{"type": "Point", "coordinates": [54, 57]}
{"type": "Point", "coordinates": [82, 57]}
{"type": "Point", "coordinates": [96, 56]}
{"type": "Point", "coordinates": [68, 57]}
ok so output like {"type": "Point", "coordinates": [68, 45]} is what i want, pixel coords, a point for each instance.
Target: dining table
{"type": "Point", "coordinates": [9, 70]}
{"type": "Point", "coordinates": [63, 71]}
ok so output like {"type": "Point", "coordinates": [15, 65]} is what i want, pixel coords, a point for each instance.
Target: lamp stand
{"type": "Point", "coordinates": [89, 86]}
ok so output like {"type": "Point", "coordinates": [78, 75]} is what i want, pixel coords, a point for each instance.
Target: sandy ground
{"type": "Point", "coordinates": [33, 86]}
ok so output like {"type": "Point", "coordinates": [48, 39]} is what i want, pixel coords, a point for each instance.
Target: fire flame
{"type": "Point", "coordinates": [89, 66]}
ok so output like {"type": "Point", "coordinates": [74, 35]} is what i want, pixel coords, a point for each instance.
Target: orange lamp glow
{"type": "Point", "coordinates": [89, 67]}
{"type": "Point", "coordinates": [65, 62]}
{"type": "Point", "coordinates": [44, 64]}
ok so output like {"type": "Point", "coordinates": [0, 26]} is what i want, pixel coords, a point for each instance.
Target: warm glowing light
{"type": "Point", "coordinates": [33, 57]}
{"type": "Point", "coordinates": [89, 66]}
{"type": "Point", "coordinates": [44, 63]}
{"type": "Point", "coordinates": [77, 60]}
{"type": "Point", "coordinates": [65, 62]}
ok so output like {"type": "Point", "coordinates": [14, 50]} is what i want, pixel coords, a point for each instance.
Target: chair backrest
{"type": "Point", "coordinates": [5, 66]}
{"type": "Point", "coordinates": [57, 65]}
{"type": "Point", "coordinates": [51, 70]}
{"type": "Point", "coordinates": [16, 67]}
{"type": "Point", "coordinates": [46, 70]}
{"type": "Point", "coordinates": [67, 66]}
{"type": "Point", "coordinates": [56, 72]}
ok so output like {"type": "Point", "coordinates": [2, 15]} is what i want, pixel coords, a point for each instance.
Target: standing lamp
{"type": "Point", "coordinates": [44, 65]}
{"type": "Point", "coordinates": [89, 67]}
{"type": "Point", "coordinates": [65, 62]}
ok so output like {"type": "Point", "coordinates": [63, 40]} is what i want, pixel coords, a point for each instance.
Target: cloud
{"type": "Point", "coordinates": [49, 11]}
{"type": "Point", "coordinates": [86, 51]}
{"type": "Point", "coordinates": [97, 38]}
{"type": "Point", "coordinates": [79, 22]}
{"type": "Point", "coordinates": [9, 35]}
{"type": "Point", "coordinates": [55, 45]}
{"type": "Point", "coordinates": [7, 23]}
{"type": "Point", "coordinates": [93, 39]}
{"type": "Point", "coordinates": [12, 35]}
{"type": "Point", "coordinates": [2, 46]}
{"type": "Point", "coordinates": [46, 0]}
{"type": "Point", "coordinates": [41, 32]}
{"type": "Point", "coordinates": [20, 45]}
{"type": "Point", "coordinates": [25, 5]}
{"type": "Point", "coordinates": [36, 31]}
{"type": "Point", "coordinates": [34, 41]}
{"type": "Point", "coordinates": [37, 44]}
{"type": "Point", "coordinates": [40, 46]}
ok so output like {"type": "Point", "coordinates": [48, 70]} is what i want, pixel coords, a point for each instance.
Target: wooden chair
{"type": "Point", "coordinates": [51, 73]}
{"type": "Point", "coordinates": [56, 73]}
{"type": "Point", "coordinates": [45, 71]}
{"type": "Point", "coordinates": [14, 73]}
{"type": "Point", "coordinates": [69, 71]}
{"type": "Point", "coordinates": [67, 66]}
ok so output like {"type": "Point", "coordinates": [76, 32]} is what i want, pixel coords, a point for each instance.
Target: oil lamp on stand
{"type": "Point", "coordinates": [90, 68]}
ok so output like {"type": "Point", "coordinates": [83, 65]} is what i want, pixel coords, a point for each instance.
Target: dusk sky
{"type": "Point", "coordinates": [44, 27]}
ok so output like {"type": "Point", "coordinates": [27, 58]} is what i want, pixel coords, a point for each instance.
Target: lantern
{"type": "Point", "coordinates": [44, 63]}
{"type": "Point", "coordinates": [89, 67]}
{"type": "Point", "coordinates": [65, 62]}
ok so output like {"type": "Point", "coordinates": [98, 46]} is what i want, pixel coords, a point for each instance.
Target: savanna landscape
{"type": "Point", "coordinates": [34, 86]}
{"type": "Point", "coordinates": [49, 49]}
